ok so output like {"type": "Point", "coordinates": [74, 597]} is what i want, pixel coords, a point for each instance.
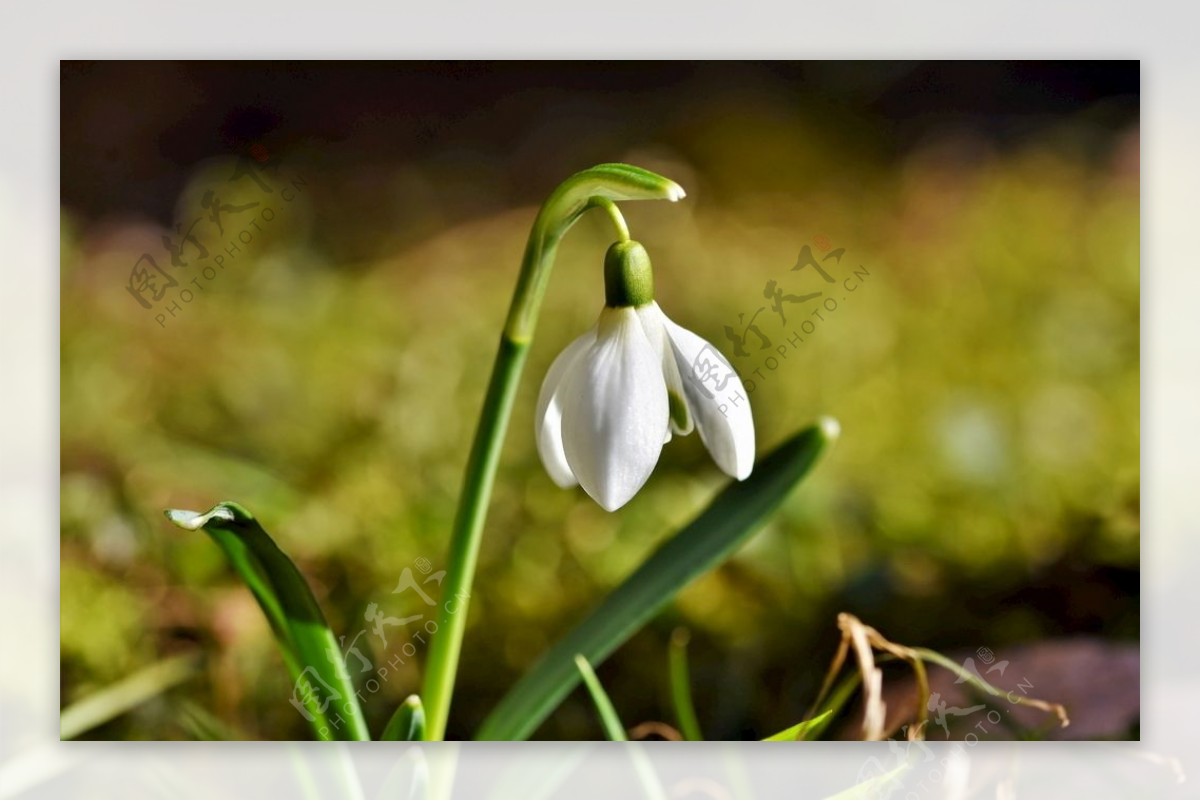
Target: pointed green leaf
{"type": "Point", "coordinates": [310, 650]}
{"type": "Point", "coordinates": [408, 721]}
{"type": "Point", "coordinates": [736, 513]}
{"type": "Point", "coordinates": [836, 702]}
{"type": "Point", "coordinates": [805, 730]}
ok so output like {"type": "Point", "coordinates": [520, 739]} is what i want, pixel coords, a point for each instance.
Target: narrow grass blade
{"type": "Point", "coordinates": [736, 513]}
{"type": "Point", "coordinates": [310, 650]}
{"type": "Point", "coordinates": [681, 689]}
{"type": "Point", "coordinates": [204, 725]}
{"type": "Point", "coordinates": [408, 721]}
{"type": "Point", "coordinates": [979, 683]}
{"type": "Point", "coordinates": [131, 691]}
{"type": "Point", "coordinates": [613, 728]}
{"type": "Point", "coordinates": [837, 700]}
{"type": "Point", "coordinates": [805, 730]}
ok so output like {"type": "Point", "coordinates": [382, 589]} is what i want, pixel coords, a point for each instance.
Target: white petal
{"type": "Point", "coordinates": [548, 419]}
{"type": "Point", "coordinates": [717, 401]}
{"type": "Point", "coordinates": [652, 319]}
{"type": "Point", "coordinates": [614, 410]}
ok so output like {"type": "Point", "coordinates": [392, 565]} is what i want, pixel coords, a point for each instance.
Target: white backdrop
{"type": "Point", "coordinates": [34, 37]}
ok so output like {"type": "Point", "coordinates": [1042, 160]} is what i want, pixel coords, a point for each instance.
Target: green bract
{"type": "Point", "coordinates": [628, 278]}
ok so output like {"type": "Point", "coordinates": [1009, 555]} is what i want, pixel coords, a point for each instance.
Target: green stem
{"type": "Point", "coordinates": [614, 215]}
{"type": "Point", "coordinates": [610, 721]}
{"type": "Point", "coordinates": [681, 692]}
{"type": "Point", "coordinates": [597, 186]}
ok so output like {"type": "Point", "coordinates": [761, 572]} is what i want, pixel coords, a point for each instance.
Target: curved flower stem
{"type": "Point", "coordinates": [597, 186]}
{"type": "Point", "coordinates": [614, 214]}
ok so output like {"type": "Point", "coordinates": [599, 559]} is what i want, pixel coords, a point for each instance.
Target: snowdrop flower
{"type": "Point", "coordinates": [614, 397]}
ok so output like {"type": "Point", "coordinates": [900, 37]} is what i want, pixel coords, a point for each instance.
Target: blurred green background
{"type": "Point", "coordinates": [985, 367]}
